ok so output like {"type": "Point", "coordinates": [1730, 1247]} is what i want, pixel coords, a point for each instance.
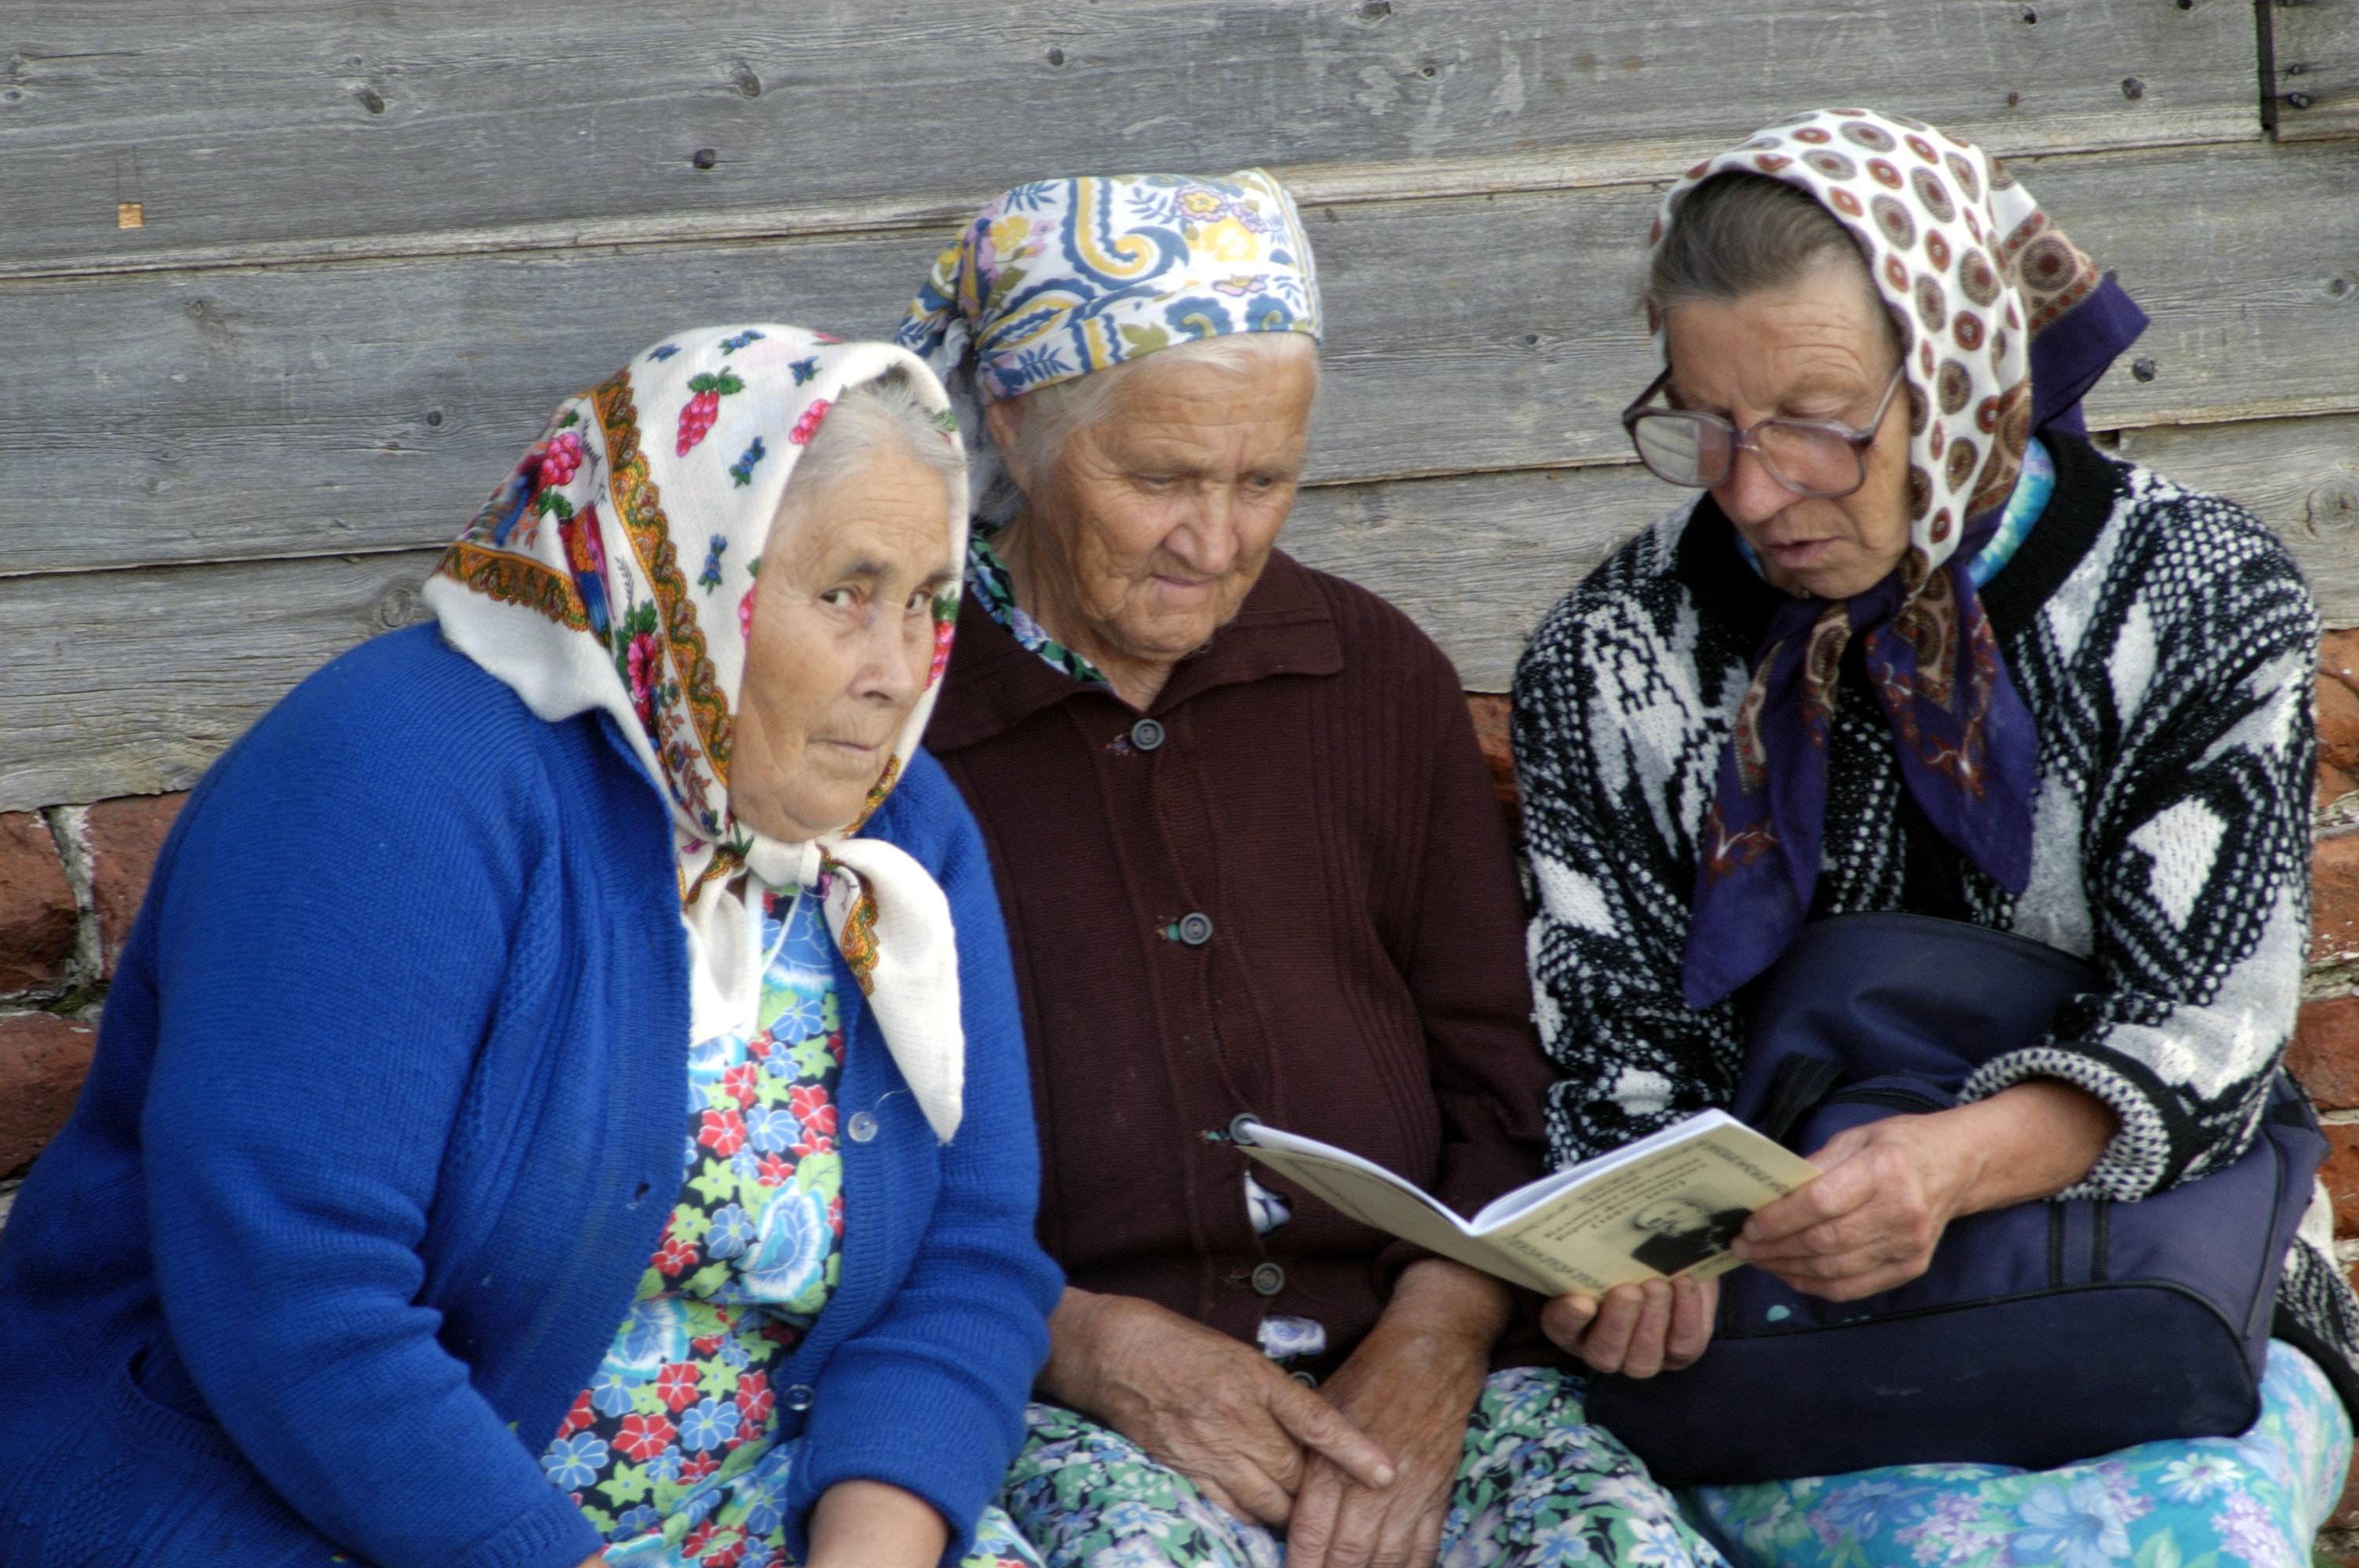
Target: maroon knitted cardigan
{"type": "Point", "coordinates": [1317, 795]}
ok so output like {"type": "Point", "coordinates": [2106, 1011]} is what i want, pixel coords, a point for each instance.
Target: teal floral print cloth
{"type": "Point", "coordinates": [1537, 1487]}
{"type": "Point", "coordinates": [671, 1451]}
{"type": "Point", "coordinates": [987, 579]}
{"type": "Point", "coordinates": [2209, 1502]}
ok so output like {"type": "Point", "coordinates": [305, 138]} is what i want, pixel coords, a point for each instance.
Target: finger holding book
{"type": "Point", "coordinates": [1660, 1326]}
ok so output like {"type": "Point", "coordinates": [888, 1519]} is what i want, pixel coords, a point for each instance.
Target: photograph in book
{"type": "Point", "coordinates": [1669, 1203]}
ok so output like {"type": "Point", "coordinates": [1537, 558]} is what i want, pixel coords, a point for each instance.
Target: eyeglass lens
{"type": "Point", "coordinates": [1691, 449]}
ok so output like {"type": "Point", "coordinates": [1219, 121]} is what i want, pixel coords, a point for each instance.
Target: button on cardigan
{"type": "Point", "coordinates": [385, 1124]}
{"type": "Point", "coordinates": [1299, 902]}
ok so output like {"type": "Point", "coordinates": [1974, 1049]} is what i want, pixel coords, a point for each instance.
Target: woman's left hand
{"type": "Point", "coordinates": [1410, 1386]}
{"type": "Point", "coordinates": [1889, 1189]}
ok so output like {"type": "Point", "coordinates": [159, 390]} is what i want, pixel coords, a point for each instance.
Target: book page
{"type": "Point", "coordinates": [1375, 1196]}
{"type": "Point", "coordinates": [1507, 1205]}
{"type": "Point", "coordinates": [1672, 1212]}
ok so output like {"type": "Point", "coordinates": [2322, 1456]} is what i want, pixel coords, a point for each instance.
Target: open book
{"type": "Point", "coordinates": [1669, 1203]}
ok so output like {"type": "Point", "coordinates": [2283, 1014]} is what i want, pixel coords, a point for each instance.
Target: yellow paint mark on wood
{"type": "Point", "coordinates": [130, 215]}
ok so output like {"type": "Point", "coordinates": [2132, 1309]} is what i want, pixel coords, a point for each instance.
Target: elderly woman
{"type": "Point", "coordinates": [381, 1232]}
{"type": "Point", "coordinates": [1920, 647]}
{"type": "Point", "coordinates": [1250, 862]}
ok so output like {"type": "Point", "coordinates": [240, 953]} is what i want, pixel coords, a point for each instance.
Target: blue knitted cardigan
{"type": "Point", "coordinates": [385, 1124]}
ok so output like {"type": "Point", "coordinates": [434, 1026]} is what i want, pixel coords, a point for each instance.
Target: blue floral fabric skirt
{"type": "Point", "coordinates": [1537, 1487]}
{"type": "Point", "coordinates": [2205, 1502]}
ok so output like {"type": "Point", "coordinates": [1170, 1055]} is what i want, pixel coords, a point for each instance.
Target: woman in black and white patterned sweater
{"type": "Point", "coordinates": [2126, 665]}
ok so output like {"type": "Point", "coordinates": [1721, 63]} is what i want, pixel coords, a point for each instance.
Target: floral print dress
{"type": "Point", "coordinates": [1537, 1487]}
{"type": "Point", "coordinates": [672, 1451]}
{"type": "Point", "coordinates": [2203, 1502]}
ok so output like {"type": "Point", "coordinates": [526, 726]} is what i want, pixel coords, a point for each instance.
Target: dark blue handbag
{"type": "Point", "coordinates": [2042, 1334]}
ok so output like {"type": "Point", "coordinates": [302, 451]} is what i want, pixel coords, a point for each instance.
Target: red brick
{"type": "Point", "coordinates": [43, 1059]}
{"type": "Point", "coordinates": [2334, 898]}
{"type": "Point", "coordinates": [124, 837]}
{"type": "Point", "coordinates": [2346, 1514]}
{"type": "Point", "coordinates": [2338, 656]}
{"type": "Point", "coordinates": [38, 918]}
{"type": "Point", "coordinates": [1490, 713]}
{"type": "Point", "coordinates": [2324, 1055]}
{"type": "Point", "coordinates": [2338, 724]}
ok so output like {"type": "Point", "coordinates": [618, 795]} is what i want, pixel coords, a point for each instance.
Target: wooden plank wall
{"type": "Point", "coordinates": [286, 284]}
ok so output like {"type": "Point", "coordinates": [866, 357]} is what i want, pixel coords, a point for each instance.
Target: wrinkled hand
{"type": "Point", "coordinates": [1870, 1220]}
{"type": "Point", "coordinates": [1889, 1189]}
{"type": "Point", "coordinates": [1410, 1385]}
{"type": "Point", "coordinates": [1639, 1330]}
{"type": "Point", "coordinates": [1213, 1408]}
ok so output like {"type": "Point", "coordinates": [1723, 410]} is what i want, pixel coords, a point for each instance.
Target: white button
{"type": "Point", "coordinates": [863, 1127]}
{"type": "Point", "coordinates": [799, 1397]}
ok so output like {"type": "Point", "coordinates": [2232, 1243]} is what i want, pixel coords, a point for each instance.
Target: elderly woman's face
{"type": "Point", "coordinates": [1161, 517]}
{"type": "Point", "coordinates": [841, 642]}
{"type": "Point", "coordinates": [1820, 349]}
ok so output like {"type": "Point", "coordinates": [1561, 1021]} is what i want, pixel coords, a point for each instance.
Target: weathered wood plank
{"type": "Point", "coordinates": [2300, 475]}
{"type": "Point", "coordinates": [261, 412]}
{"type": "Point", "coordinates": [2314, 62]}
{"type": "Point", "coordinates": [130, 682]}
{"type": "Point", "coordinates": [290, 128]}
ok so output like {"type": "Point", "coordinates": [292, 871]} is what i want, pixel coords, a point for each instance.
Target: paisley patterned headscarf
{"type": "Point", "coordinates": [1062, 277]}
{"type": "Point", "coordinates": [614, 571]}
{"type": "Point", "coordinates": [2003, 324]}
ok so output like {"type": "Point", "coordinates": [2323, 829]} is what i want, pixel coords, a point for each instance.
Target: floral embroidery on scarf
{"type": "Point", "coordinates": [701, 410]}
{"type": "Point", "coordinates": [742, 470]}
{"type": "Point", "coordinates": [708, 721]}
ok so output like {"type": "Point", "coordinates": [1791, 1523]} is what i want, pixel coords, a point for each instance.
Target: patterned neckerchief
{"type": "Point", "coordinates": [987, 579]}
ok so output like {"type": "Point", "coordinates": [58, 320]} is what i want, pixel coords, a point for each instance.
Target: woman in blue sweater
{"type": "Point", "coordinates": [381, 1232]}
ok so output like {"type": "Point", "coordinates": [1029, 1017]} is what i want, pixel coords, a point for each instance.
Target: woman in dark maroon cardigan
{"type": "Point", "coordinates": [1251, 863]}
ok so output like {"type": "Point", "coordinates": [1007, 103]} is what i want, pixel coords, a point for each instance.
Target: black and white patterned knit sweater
{"type": "Point", "coordinates": [2164, 644]}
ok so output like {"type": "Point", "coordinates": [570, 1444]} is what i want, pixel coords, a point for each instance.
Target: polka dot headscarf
{"type": "Point", "coordinates": [1971, 271]}
{"type": "Point", "coordinates": [1973, 275]}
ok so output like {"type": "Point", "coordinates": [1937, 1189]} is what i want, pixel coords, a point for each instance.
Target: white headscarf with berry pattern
{"type": "Point", "coordinates": [614, 571]}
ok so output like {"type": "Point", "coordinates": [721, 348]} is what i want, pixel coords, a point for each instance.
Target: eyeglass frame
{"type": "Point", "coordinates": [1858, 438]}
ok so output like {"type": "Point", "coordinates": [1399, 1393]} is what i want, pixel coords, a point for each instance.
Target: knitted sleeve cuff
{"type": "Point", "coordinates": [2133, 1164]}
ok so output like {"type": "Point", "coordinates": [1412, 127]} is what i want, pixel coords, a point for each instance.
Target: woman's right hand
{"type": "Point", "coordinates": [1213, 1408]}
{"type": "Point", "coordinates": [1637, 1330]}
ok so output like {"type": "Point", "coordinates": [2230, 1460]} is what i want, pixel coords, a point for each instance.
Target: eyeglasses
{"type": "Point", "coordinates": [1822, 458]}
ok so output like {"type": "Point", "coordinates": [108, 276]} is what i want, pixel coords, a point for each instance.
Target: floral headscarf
{"type": "Point", "coordinates": [614, 570]}
{"type": "Point", "coordinates": [2003, 324]}
{"type": "Point", "coordinates": [1062, 277]}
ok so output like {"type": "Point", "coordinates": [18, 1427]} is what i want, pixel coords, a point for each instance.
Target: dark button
{"type": "Point", "coordinates": [1268, 1279]}
{"type": "Point", "coordinates": [1147, 734]}
{"type": "Point", "coordinates": [799, 1397]}
{"type": "Point", "coordinates": [1195, 929]}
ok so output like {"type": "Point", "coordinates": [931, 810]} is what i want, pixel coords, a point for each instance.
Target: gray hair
{"type": "Point", "coordinates": [1737, 234]}
{"type": "Point", "coordinates": [882, 415]}
{"type": "Point", "coordinates": [1058, 412]}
